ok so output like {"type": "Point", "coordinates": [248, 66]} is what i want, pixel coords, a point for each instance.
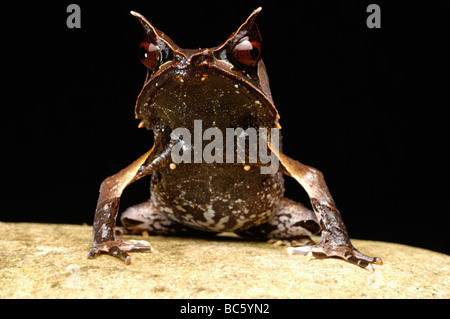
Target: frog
{"type": "Point", "coordinates": [226, 86]}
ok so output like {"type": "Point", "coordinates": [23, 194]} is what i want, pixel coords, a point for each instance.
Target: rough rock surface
{"type": "Point", "coordinates": [49, 261]}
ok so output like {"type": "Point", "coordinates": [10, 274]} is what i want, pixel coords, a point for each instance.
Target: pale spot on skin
{"type": "Point", "coordinates": [105, 230]}
{"type": "Point", "coordinates": [180, 208]}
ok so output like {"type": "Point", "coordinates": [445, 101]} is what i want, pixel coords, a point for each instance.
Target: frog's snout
{"type": "Point", "coordinates": [204, 56]}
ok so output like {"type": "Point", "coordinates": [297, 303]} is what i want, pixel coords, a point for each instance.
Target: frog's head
{"type": "Point", "coordinates": [226, 85]}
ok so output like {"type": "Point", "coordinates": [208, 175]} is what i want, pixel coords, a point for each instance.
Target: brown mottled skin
{"type": "Point", "coordinates": [225, 87]}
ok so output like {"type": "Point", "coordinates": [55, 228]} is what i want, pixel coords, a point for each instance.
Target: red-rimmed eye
{"type": "Point", "coordinates": [150, 55]}
{"type": "Point", "coordinates": [247, 53]}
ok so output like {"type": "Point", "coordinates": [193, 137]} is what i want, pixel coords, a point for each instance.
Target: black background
{"type": "Point", "coordinates": [364, 106]}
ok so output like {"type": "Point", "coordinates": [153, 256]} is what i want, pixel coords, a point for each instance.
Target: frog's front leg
{"type": "Point", "coordinates": [335, 241]}
{"type": "Point", "coordinates": [105, 239]}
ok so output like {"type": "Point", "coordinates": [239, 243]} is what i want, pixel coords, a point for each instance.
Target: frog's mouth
{"type": "Point", "coordinates": [178, 97]}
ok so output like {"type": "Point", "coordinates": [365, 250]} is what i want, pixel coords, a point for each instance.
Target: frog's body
{"type": "Point", "coordinates": [223, 87]}
{"type": "Point", "coordinates": [208, 196]}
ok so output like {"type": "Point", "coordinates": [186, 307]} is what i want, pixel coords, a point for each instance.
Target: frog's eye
{"type": "Point", "coordinates": [150, 55]}
{"type": "Point", "coordinates": [247, 53]}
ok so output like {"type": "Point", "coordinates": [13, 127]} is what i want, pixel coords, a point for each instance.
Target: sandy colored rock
{"type": "Point", "coordinates": [49, 261]}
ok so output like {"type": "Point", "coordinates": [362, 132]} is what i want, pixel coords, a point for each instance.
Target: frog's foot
{"type": "Point", "coordinates": [292, 225]}
{"type": "Point", "coordinates": [120, 247]}
{"type": "Point", "coordinates": [326, 249]}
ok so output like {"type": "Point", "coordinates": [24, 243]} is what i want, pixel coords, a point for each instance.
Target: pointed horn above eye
{"type": "Point", "coordinates": [248, 24]}
{"type": "Point", "coordinates": [149, 29]}
{"type": "Point", "coordinates": [247, 28]}
{"type": "Point", "coordinates": [153, 33]}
